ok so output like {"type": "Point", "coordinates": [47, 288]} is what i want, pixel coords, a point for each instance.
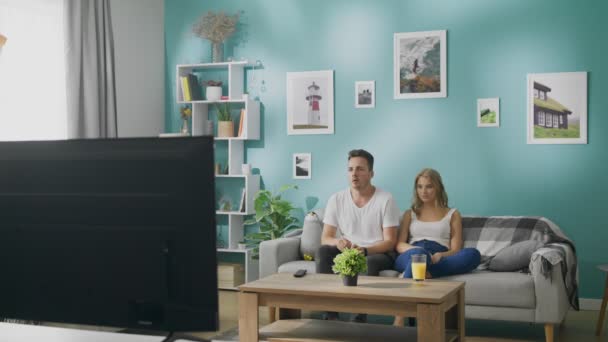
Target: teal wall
{"type": "Point", "coordinates": [492, 45]}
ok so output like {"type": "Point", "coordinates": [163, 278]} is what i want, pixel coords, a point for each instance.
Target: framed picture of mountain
{"type": "Point", "coordinates": [420, 68]}
{"type": "Point", "coordinates": [557, 108]}
{"type": "Point", "coordinates": [302, 166]}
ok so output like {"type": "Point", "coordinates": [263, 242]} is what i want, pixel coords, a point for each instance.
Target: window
{"type": "Point", "coordinates": [548, 121]}
{"type": "Point", "coordinates": [561, 120]}
{"type": "Point", "coordinates": [32, 70]}
{"type": "Point", "coordinates": [556, 120]}
{"type": "Point", "coordinates": [535, 93]}
{"type": "Point", "coordinates": [541, 118]}
{"type": "Point", "coordinates": [543, 95]}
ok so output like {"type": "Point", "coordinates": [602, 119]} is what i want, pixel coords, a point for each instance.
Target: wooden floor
{"type": "Point", "coordinates": [579, 325]}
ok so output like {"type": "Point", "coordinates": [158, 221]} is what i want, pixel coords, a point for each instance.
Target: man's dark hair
{"type": "Point", "coordinates": [363, 154]}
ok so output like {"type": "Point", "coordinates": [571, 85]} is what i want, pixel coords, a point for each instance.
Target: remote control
{"type": "Point", "coordinates": [300, 273]}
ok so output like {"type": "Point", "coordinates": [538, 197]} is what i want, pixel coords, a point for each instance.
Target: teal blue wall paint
{"type": "Point", "coordinates": [492, 45]}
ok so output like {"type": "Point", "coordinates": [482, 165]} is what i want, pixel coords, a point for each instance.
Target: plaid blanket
{"type": "Point", "coordinates": [490, 234]}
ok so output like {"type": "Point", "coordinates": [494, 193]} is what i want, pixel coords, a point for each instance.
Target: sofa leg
{"type": "Point", "coordinates": [549, 332]}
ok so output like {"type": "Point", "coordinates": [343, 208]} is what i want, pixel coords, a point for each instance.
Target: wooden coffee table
{"type": "Point", "coordinates": [428, 301]}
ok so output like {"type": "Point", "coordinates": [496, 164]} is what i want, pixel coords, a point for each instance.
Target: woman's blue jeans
{"type": "Point", "coordinates": [465, 260]}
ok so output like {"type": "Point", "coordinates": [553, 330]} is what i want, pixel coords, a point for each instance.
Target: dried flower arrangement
{"type": "Point", "coordinates": [185, 112]}
{"type": "Point", "coordinates": [215, 27]}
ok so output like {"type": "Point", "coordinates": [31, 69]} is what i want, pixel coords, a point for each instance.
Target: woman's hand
{"type": "Point", "coordinates": [435, 258]}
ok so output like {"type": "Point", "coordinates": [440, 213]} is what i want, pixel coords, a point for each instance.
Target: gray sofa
{"type": "Point", "coordinates": [540, 293]}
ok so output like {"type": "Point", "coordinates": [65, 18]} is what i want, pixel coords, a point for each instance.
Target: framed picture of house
{"type": "Point", "coordinates": [557, 108]}
{"type": "Point", "coordinates": [365, 94]}
{"type": "Point", "coordinates": [419, 66]}
{"type": "Point", "coordinates": [488, 112]}
{"type": "Point", "coordinates": [310, 102]}
{"type": "Point", "coordinates": [302, 166]}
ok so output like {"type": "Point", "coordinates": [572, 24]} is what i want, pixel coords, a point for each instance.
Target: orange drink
{"type": "Point", "coordinates": [419, 267]}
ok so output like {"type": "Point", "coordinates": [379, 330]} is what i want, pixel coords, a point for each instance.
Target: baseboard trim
{"type": "Point", "coordinates": [590, 304]}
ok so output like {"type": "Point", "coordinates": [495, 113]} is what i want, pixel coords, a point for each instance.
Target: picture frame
{"type": "Point", "coordinates": [302, 166]}
{"type": "Point", "coordinates": [557, 108]}
{"type": "Point", "coordinates": [310, 102]}
{"type": "Point", "coordinates": [365, 94]}
{"type": "Point", "coordinates": [488, 112]}
{"type": "Point", "coordinates": [420, 64]}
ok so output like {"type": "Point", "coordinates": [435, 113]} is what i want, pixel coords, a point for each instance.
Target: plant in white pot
{"type": "Point", "coordinates": [225, 126]}
{"type": "Point", "coordinates": [349, 264]}
{"type": "Point", "coordinates": [213, 90]}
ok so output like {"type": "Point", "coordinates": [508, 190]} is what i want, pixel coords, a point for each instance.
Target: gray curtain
{"type": "Point", "coordinates": [91, 88]}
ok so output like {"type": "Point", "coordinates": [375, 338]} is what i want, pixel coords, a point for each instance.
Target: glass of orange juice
{"type": "Point", "coordinates": [419, 267]}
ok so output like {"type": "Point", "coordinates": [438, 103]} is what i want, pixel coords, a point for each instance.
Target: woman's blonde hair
{"type": "Point", "coordinates": [441, 197]}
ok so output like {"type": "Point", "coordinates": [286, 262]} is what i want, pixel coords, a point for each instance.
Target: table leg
{"type": "Point", "coordinates": [431, 323]}
{"type": "Point", "coordinates": [248, 317]}
{"type": "Point", "coordinates": [600, 320]}
{"type": "Point", "coordinates": [460, 309]}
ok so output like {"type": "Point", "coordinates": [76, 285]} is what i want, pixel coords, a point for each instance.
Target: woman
{"type": "Point", "coordinates": [430, 227]}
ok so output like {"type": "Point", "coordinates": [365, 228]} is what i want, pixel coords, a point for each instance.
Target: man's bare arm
{"type": "Point", "coordinates": [328, 237]}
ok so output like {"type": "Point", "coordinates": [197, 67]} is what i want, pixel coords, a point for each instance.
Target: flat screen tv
{"type": "Point", "coordinates": [111, 232]}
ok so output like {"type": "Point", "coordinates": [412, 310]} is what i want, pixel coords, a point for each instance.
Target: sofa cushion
{"type": "Point", "coordinates": [293, 266]}
{"type": "Point", "coordinates": [486, 288]}
{"type": "Point", "coordinates": [514, 257]}
{"type": "Point", "coordinates": [311, 234]}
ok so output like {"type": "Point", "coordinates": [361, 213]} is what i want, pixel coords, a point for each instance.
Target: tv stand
{"type": "Point", "coordinates": [12, 332]}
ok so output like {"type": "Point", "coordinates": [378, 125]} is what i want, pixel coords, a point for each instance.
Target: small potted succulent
{"type": "Point", "coordinates": [349, 264]}
{"type": "Point", "coordinates": [225, 126]}
{"type": "Point", "coordinates": [213, 90]}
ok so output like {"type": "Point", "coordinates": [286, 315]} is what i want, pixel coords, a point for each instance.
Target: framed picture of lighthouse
{"type": "Point", "coordinates": [310, 102]}
{"type": "Point", "coordinates": [557, 108]}
{"type": "Point", "coordinates": [419, 65]}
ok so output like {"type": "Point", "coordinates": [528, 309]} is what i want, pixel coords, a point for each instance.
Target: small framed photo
{"type": "Point", "coordinates": [488, 112]}
{"type": "Point", "coordinates": [365, 94]}
{"type": "Point", "coordinates": [557, 108]}
{"type": "Point", "coordinates": [302, 166]}
{"type": "Point", "coordinates": [419, 65]}
{"type": "Point", "coordinates": [310, 102]}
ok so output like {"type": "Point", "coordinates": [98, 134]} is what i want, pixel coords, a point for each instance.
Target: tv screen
{"type": "Point", "coordinates": [116, 232]}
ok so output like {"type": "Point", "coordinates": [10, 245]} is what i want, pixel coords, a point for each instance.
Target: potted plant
{"type": "Point", "coordinates": [213, 90]}
{"type": "Point", "coordinates": [225, 127]}
{"type": "Point", "coordinates": [216, 27]}
{"type": "Point", "coordinates": [349, 264]}
{"type": "Point", "coordinates": [273, 214]}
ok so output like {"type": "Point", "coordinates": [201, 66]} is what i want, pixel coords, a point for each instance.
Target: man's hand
{"type": "Point", "coordinates": [435, 258]}
{"type": "Point", "coordinates": [343, 243]}
{"type": "Point", "coordinates": [359, 248]}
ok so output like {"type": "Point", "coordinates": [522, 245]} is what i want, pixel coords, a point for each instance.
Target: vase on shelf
{"type": "Point", "coordinates": [218, 52]}
{"type": "Point", "coordinates": [185, 129]}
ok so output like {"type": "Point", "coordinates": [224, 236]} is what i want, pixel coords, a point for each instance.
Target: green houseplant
{"type": "Point", "coordinates": [225, 126]}
{"type": "Point", "coordinates": [273, 214]}
{"type": "Point", "coordinates": [349, 264]}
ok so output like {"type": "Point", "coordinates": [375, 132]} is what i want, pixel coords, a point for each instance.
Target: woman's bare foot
{"type": "Point", "coordinates": [398, 321]}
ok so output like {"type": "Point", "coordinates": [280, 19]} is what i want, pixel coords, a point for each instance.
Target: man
{"type": "Point", "coordinates": [367, 218]}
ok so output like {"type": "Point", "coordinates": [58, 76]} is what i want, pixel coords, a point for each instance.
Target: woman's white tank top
{"type": "Point", "coordinates": [438, 231]}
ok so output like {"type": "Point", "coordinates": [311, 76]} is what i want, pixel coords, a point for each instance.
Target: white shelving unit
{"type": "Point", "coordinates": [236, 146]}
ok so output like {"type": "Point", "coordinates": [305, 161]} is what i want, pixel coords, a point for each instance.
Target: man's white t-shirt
{"type": "Point", "coordinates": [362, 226]}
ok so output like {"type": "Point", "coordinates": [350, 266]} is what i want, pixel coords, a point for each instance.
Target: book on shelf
{"type": "Point", "coordinates": [241, 120]}
{"type": "Point", "coordinates": [185, 88]}
{"type": "Point", "coordinates": [195, 87]}
{"type": "Point", "coordinates": [242, 205]}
